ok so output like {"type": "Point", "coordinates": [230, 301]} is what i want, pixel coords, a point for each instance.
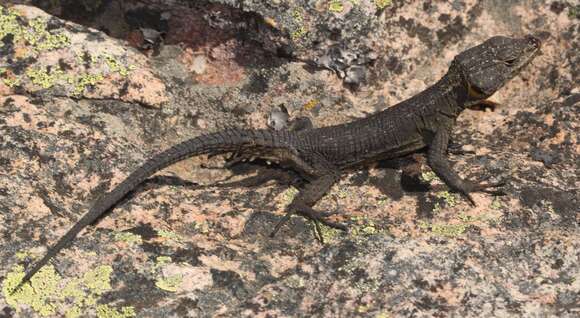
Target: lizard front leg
{"type": "Point", "coordinates": [437, 160]}
{"type": "Point", "coordinates": [323, 176]}
{"type": "Point", "coordinates": [306, 198]}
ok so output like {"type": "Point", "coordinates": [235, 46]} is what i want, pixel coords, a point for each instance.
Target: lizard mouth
{"type": "Point", "coordinates": [533, 45]}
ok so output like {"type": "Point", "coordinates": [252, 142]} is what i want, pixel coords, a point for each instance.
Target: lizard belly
{"type": "Point", "coordinates": [382, 153]}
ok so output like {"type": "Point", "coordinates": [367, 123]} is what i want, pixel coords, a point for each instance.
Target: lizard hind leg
{"type": "Point", "coordinates": [306, 198]}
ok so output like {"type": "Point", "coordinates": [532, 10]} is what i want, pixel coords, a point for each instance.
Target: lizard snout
{"type": "Point", "coordinates": [534, 41]}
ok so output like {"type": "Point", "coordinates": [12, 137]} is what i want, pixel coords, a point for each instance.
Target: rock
{"type": "Point", "coordinates": [177, 248]}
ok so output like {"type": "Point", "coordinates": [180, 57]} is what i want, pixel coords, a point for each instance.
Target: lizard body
{"type": "Point", "coordinates": [321, 154]}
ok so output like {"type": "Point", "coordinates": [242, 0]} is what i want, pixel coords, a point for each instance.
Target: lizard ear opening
{"type": "Point", "coordinates": [475, 92]}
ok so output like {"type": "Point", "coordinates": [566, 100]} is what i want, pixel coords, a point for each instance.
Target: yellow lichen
{"type": "Point", "coordinates": [496, 204]}
{"type": "Point", "coordinates": [84, 81]}
{"type": "Point", "coordinates": [45, 294]}
{"type": "Point", "coordinates": [115, 66]}
{"type": "Point", "coordinates": [43, 78]}
{"type": "Point", "coordinates": [428, 176]}
{"type": "Point", "coordinates": [335, 6]}
{"type": "Point", "coordinates": [105, 311]}
{"type": "Point", "coordinates": [160, 261]}
{"type": "Point", "coordinates": [36, 294]}
{"type": "Point", "coordinates": [300, 30]}
{"type": "Point", "coordinates": [449, 198]}
{"type": "Point", "coordinates": [34, 34]}
{"type": "Point", "coordinates": [98, 280]}
{"type": "Point", "coordinates": [381, 4]}
{"type": "Point", "coordinates": [451, 230]}
{"type": "Point", "coordinates": [172, 236]}
{"type": "Point", "coordinates": [170, 284]}
{"type": "Point", "coordinates": [128, 237]}
{"type": "Point", "coordinates": [363, 226]}
{"type": "Point", "coordinates": [311, 104]}
{"type": "Point", "coordinates": [288, 195]}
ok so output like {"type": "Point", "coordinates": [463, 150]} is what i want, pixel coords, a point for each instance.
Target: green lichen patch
{"type": "Point", "coordinates": [496, 204]}
{"type": "Point", "coordinates": [325, 233]}
{"type": "Point", "coordinates": [170, 284]}
{"type": "Point", "coordinates": [335, 6]}
{"type": "Point", "coordinates": [106, 311]}
{"type": "Point", "coordinates": [32, 38]}
{"type": "Point", "coordinates": [428, 176]}
{"type": "Point", "coordinates": [381, 4]}
{"type": "Point", "coordinates": [47, 294]}
{"type": "Point", "coordinates": [128, 237]}
{"type": "Point", "coordinates": [43, 77]}
{"type": "Point", "coordinates": [364, 226]}
{"type": "Point", "coordinates": [299, 28]}
{"type": "Point", "coordinates": [117, 67]}
{"type": "Point", "coordinates": [161, 261]}
{"type": "Point", "coordinates": [449, 198]}
{"type": "Point", "coordinates": [450, 230]}
{"type": "Point", "coordinates": [98, 280]}
{"type": "Point", "coordinates": [82, 82]}
{"type": "Point", "coordinates": [34, 33]}
{"type": "Point", "coordinates": [37, 294]}
{"type": "Point", "coordinates": [169, 235]}
{"type": "Point", "coordinates": [47, 77]}
{"type": "Point", "coordinates": [288, 195]}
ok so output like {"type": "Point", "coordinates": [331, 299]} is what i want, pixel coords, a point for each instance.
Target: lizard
{"type": "Point", "coordinates": [320, 155]}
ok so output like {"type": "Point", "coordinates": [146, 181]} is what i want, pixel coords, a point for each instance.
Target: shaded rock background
{"type": "Point", "coordinates": [91, 92]}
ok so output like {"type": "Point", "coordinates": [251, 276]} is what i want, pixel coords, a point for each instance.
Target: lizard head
{"type": "Point", "coordinates": [487, 67]}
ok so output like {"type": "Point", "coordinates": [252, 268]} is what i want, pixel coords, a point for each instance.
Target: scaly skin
{"type": "Point", "coordinates": [320, 155]}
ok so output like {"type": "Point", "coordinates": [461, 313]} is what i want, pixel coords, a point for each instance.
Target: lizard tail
{"type": "Point", "coordinates": [216, 143]}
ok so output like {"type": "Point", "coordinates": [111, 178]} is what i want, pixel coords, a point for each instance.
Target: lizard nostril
{"type": "Point", "coordinates": [534, 41]}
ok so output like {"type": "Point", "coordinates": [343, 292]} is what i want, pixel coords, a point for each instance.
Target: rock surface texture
{"type": "Point", "coordinates": [90, 89]}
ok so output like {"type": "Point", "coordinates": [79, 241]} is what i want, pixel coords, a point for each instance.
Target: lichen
{"type": "Point", "coordinates": [288, 195]}
{"type": "Point", "coordinates": [105, 311]}
{"type": "Point", "coordinates": [169, 235]}
{"type": "Point", "coordinates": [170, 284]}
{"type": "Point", "coordinates": [311, 104]}
{"type": "Point", "coordinates": [45, 293]}
{"type": "Point", "coordinates": [428, 176]}
{"type": "Point", "coordinates": [43, 78]}
{"type": "Point", "coordinates": [162, 260]}
{"type": "Point", "coordinates": [326, 233]}
{"type": "Point", "coordinates": [335, 6]}
{"type": "Point", "coordinates": [363, 226]}
{"type": "Point", "coordinates": [42, 40]}
{"type": "Point", "coordinates": [115, 66]}
{"type": "Point", "coordinates": [496, 204]}
{"type": "Point", "coordinates": [11, 82]}
{"type": "Point", "coordinates": [37, 294]}
{"type": "Point", "coordinates": [128, 237]}
{"type": "Point", "coordinates": [34, 34]}
{"type": "Point", "coordinates": [449, 198]}
{"type": "Point", "coordinates": [300, 29]}
{"type": "Point", "coordinates": [86, 80]}
{"type": "Point", "coordinates": [450, 230]}
{"type": "Point", "coordinates": [381, 4]}
{"type": "Point", "coordinates": [98, 280]}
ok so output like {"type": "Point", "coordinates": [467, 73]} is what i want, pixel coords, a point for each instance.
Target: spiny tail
{"type": "Point", "coordinates": [216, 143]}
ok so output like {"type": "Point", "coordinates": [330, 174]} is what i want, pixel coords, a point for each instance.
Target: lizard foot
{"type": "Point", "coordinates": [485, 187]}
{"type": "Point", "coordinates": [309, 213]}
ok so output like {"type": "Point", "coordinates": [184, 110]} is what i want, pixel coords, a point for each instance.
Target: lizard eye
{"type": "Point", "coordinates": [475, 92]}
{"type": "Point", "coordinates": [510, 62]}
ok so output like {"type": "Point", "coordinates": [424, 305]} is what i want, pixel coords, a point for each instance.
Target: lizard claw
{"type": "Point", "coordinates": [484, 187]}
{"type": "Point", "coordinates": [469, 198]}
{"type": "Point", "coordinates": [309, 213]}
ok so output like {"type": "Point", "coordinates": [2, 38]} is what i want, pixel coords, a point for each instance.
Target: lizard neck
{"type": "Point", "coordinates": [449, 94]}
